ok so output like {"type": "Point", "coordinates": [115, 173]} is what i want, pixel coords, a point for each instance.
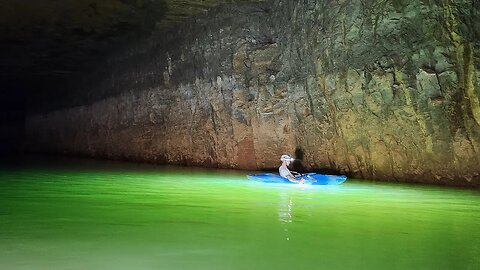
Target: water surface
{"type": "Point", "coordinates": [98, 215]}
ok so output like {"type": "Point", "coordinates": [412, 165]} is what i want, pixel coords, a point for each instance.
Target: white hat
{"type": "Point", "coordinates": [286, 158]}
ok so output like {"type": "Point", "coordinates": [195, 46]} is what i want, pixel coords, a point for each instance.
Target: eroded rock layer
{"type": "Point", "coordinates": [375, 89]}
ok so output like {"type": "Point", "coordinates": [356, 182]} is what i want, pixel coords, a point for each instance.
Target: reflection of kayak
{"type": "Point", "coordinates": [310, 178]}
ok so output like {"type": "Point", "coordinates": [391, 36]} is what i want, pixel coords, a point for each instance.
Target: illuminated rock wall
{"type": "Point", "coordinates": [375, 89]}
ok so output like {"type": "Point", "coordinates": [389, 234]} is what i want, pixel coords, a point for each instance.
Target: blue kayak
{"type": "Point", "coordinates": [310, 178]}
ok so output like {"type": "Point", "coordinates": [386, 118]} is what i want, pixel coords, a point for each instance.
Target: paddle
{"type": "Point", "coordinates": [299, 175]}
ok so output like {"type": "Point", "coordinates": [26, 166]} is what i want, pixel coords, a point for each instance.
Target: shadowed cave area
{"type": "Point", "coordinates": [385, 90]}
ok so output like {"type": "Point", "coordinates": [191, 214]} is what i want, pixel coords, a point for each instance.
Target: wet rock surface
{"type": "Point", "coordinates": [374, 89]}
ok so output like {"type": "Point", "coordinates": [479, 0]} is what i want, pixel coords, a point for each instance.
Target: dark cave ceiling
{"type": "Point", "coordinates": [54, 38]}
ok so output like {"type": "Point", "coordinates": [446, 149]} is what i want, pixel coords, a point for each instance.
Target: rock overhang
{"type": "Point", "coordinates": [49, 40]}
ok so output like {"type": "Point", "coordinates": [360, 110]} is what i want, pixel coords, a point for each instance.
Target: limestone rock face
{"type": "Point", "coordinates": [375, 89]}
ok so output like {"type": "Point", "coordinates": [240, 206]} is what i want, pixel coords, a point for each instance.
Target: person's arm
{"type": "Point", "coordinates": [295, 174]}
{"type": "Point", "coordinates": [286, 173]}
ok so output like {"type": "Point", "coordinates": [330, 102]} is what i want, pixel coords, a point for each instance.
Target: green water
{"type": "Point", "coordinates": [145, 217]}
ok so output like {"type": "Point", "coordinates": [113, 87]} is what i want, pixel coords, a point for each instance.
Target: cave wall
{"type": "Point", "coordinates": [11, 120]}
{"type": "Point", "coordinates": [375, 89]}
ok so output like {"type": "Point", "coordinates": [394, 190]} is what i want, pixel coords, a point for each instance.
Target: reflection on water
{"type": "Point", "coordinates": [107, 215]}
{"type": "Point", "coordinates": [285, 213]}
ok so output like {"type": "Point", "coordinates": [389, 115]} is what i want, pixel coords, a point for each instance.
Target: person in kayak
{"type": "Point", "coordinates": [286, 173]}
